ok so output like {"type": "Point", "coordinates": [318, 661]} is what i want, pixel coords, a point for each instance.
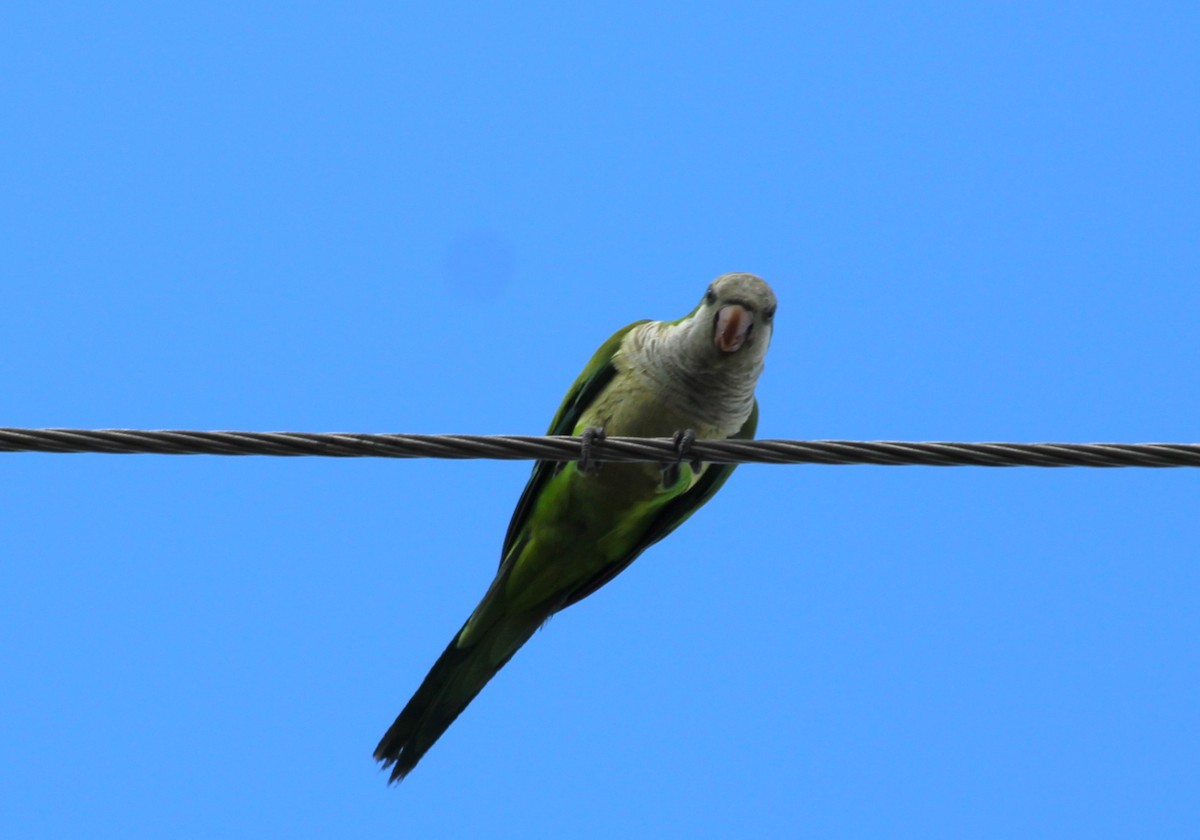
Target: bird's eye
{"type": "Point", "coordinates": [769, 314]}
{"type": "Point", "coordinates": [710, 296]}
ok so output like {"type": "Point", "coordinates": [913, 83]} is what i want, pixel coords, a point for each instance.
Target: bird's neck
{"type": "Point", "coordinates": [677, 360]}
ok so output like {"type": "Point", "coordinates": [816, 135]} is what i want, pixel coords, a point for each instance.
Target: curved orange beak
{"type": "Point", "coordinates": [732, 327]}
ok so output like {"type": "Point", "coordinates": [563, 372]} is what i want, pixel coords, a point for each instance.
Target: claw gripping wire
{"type": "Point", "coordinates": [591, 436]}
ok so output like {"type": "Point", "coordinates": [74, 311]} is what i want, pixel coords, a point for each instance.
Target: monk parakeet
{"type": "Point", "coordinates": [577, 526]}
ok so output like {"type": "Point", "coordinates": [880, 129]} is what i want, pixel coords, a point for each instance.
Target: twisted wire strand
{"type": "Point", "coordinates": [565, 448]}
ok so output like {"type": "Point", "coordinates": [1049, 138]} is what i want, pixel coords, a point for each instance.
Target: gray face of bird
{"type": "Point", "coordinates": [742, 309]}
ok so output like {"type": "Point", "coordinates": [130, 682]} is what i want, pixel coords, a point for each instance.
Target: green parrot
{"type": "Point", "coordinates": [577, 526]}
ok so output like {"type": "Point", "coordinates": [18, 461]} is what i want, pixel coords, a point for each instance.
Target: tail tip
{"type": "Point", "coordinates": [394, 762]}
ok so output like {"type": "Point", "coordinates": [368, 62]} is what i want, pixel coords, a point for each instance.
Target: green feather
{"type": "Point", "coordinates": [671, 515]}
{"type": "Point", "coordinates": [583, 392]}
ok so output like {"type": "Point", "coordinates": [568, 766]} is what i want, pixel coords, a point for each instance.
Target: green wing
{"type": "Point", "coordinates": [672, 515]}
{"type": "Point", "coordinates": [583, 392]}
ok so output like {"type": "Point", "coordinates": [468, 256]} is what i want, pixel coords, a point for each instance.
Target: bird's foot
{"type": "Point", "coordinates": [683, 441]}
{"type": "Point", "coordinates": [591, 436]}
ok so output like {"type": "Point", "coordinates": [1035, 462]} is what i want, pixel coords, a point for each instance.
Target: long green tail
{"type": "Point", "coordinates": [451, 684]}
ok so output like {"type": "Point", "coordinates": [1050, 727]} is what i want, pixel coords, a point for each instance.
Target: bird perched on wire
{"type": "Point", "coordinates": [577, 525]}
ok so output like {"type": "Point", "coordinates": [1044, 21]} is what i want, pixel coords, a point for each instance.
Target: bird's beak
{"type": "Point", "coordinates": [732, 327]}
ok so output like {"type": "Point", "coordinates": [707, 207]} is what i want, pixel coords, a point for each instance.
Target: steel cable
{"type": "Point", "coordinates": [563, 448]}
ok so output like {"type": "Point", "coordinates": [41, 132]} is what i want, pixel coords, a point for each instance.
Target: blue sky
{"type": "Point", "coordinates": [981, 223]}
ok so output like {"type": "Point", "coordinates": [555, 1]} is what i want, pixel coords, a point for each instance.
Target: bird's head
{"type": "Point", "coordinates": [738, 311]}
